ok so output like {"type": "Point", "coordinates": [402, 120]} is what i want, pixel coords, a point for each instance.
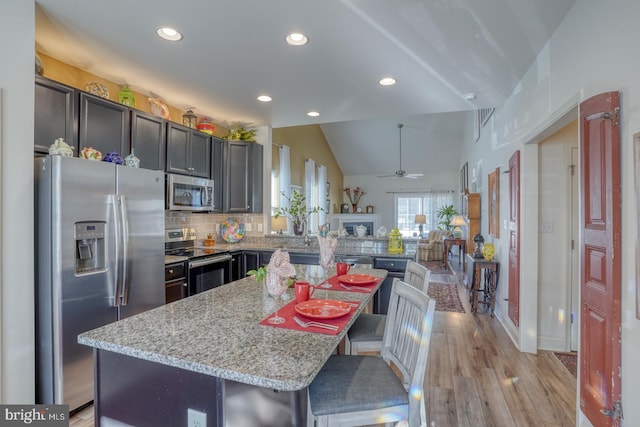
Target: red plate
{"type": "Point", "coordinates": [357, 279]}
{"type": "Point", "coordinates": [322, 308]}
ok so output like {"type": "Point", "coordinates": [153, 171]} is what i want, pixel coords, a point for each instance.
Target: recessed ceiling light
{"type": "Point", "coordinates": [469, 96]}
{"type": "Point", "coordinates": [264, 98]}
{"type": "Point", "coordinates": [387, 81]}
{"type": "Point", "coordinates": [169, 33]}
{"type": "Point", "coordinates": [313, 114]}
{"type": "Point", "coordinates": [296, 39]}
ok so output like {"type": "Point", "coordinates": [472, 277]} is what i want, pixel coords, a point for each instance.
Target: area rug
{"type": "Point", "coordinates": [436, 267]}
{"type": "Point", "coordinates": [569, 360]}
{"type": "Point", "coordinates": [446, 296]}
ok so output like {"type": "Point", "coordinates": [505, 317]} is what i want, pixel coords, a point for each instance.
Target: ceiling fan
{"type": "Point", "coordinates": [400, 173]}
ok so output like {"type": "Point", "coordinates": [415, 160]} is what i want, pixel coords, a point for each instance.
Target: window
{"type": "Point", "coordinates": [275, 192]}
{"type": "Point", "coordinates": [410, 205]}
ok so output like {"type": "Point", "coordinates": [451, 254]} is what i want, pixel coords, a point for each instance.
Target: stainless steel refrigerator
{"type": "Point", "coordinates": [100, 246]}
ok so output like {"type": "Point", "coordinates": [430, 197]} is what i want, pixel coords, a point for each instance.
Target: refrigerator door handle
{"type": "Point", "coordinates": [115, 202]}
{"type": "Point", "coordinates": [124, 227]}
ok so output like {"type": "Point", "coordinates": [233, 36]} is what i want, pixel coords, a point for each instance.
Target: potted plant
{"type": "Point", "coordinates": [297, 211]}
{"type": "Point", "coordinates": [239, 132]}
{"type": "Point", "coordinates": [260, 273]}
{"type": "Point", "coordinates": [445, 214]}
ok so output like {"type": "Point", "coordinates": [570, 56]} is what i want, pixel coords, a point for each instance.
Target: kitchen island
{"type": "Point", "coordinates": [197, 352]}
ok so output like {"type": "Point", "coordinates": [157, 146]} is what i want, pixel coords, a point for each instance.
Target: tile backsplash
{"type": "Point", "coordinates": [204, 224]}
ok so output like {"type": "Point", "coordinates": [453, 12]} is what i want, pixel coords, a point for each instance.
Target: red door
{"type": "Point", "coordinates": [600, 222]}
{"type": "Point", "coordinates": [514, 238]}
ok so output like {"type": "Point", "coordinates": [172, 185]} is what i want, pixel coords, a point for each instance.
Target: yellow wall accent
{"type": "Point", "coordinates": [308, 142]}
{"type": "Point", "coordinates": [77, 78]}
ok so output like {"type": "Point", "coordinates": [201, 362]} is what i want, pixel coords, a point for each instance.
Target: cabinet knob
{"type": "Point", "coordinates": [184, 284]}
{"type": "Point", "coordinates": [171, 270]}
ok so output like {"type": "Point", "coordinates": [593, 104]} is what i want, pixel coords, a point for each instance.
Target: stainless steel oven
{"type": "Point", "coordinates": [208, 272]}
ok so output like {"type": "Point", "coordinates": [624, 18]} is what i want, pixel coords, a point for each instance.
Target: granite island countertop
{"type": "Point", "coordinates": [217, 333]}
{"type": "Point", "coordinates": [373, 250]}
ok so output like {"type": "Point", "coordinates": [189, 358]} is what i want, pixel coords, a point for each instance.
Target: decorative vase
{"type": "Point", "coordinates": [354, 206]}
{"type": "Point", "coordinates": [488, 251]}
{"type": "Point", "coordinates": [298, 228]}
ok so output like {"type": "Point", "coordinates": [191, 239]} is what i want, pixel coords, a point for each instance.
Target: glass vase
{"type": "Point", "coordinates": [354, 207]}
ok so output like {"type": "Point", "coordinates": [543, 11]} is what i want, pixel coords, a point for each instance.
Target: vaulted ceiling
{"type": "Point", "coordinates": [234, 51]}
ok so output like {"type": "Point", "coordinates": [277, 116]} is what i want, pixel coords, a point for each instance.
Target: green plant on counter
{"type": "Point", "coordinates": [240, 132]}
{"type": "Point", "coordinates": [260, 273]}
{"type": "Point", "coordinates": [445, 214]}
{"type": "Point", "coordinates": [297, 210]}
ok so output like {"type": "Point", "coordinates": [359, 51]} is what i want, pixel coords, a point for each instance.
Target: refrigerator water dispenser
{"type": "Point", "coordinates": [90, 250]}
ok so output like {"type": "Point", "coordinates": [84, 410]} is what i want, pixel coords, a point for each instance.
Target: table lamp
{"type": "Point", "coordinates": [457, 221]}
{"type": "Point", "coordinates": [278, 224]}
{"type": "Point", "coordinates": [420, 220]}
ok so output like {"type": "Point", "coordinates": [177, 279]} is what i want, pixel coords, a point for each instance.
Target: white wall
{"type": "Point", "coordinates": [594, 50]}
{"type": "Point", "coordinates": [17, 32]}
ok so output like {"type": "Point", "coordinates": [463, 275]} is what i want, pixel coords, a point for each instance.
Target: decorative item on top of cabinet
{"type": "Point", "coordinates": [240, 132]}
{"type": "Point", "coordinates": [126, 97]}
{"type": "Point", "coordinates": [190, 120]}
{"type": "Point", "coordinates": [206, 126]}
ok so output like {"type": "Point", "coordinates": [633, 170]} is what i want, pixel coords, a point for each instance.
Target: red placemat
{"type": "Point", "coordinates": [288, 312]}
{"type": "Point", "coordinates": [365, 289]}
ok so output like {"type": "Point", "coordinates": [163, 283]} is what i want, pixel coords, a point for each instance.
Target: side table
{"type": "Point", "coordinates": [447, 242]}
{"type": "Point", "coordinates": [482, 281]}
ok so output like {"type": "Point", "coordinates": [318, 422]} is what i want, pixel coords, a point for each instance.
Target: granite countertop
{"type": "Point", "coordinates": [372, 251]}
{"type": "Point", "coordinates": [217, 333]}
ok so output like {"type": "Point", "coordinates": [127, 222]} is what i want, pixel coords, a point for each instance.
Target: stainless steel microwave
{"type": "Point", "coordinates": [187, 193]}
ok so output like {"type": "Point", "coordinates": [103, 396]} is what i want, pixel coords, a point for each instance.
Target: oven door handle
{"type": "Point", "coordinates": [207, 261]}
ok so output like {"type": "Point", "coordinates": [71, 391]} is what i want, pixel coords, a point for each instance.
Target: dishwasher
{"type": "Point", "coordinates": [395, 268]}
{"type": "Point", "coordinates": [356, 261]}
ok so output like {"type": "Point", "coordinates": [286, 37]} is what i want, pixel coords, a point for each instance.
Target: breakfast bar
{"type": "Point", "coordinates": [199, 352]}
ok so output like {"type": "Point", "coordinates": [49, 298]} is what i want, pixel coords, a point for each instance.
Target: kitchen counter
{"type": "Point", "coordinates": [204, 341]}
{"type": "Point", "coordinates": [362, 249]}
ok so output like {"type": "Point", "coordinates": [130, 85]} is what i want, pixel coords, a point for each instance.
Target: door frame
{"type": "Point", "coordinates": [529, 214]}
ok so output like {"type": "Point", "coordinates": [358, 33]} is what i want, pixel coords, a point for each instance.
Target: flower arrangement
{"type": "Point", "coordinates": [354, 195]}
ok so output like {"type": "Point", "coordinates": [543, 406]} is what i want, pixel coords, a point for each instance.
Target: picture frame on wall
{"type": "Point", "coordinates": [464, 178]}
{"type": "Point", "coordinates": [494, 203]}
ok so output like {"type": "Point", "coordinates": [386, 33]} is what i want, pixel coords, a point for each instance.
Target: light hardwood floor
{"type": "Point", "coordinates": [476, 376]}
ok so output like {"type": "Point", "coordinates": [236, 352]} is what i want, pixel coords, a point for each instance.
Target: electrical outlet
{"type": "Point", "coordinates": [247, 226]}
{"type": "Point", "coordinates": [196, 418]}
{"type": "Point", "coordinates": [259, 227]}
